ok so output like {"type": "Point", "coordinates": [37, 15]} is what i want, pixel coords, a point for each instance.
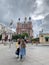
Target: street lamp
{"type": "Point", "coordinates": [10, 33]}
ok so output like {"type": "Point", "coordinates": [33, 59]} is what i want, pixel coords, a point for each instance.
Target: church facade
{"type": "Point", "coordinates": [25, 27]}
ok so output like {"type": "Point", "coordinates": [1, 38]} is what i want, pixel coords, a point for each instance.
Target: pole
{"type": "Point", "coordinates": [10, 33]}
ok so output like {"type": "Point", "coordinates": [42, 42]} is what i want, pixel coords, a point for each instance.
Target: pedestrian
{"type": "Point", "coordinates": [9, 38]}
{"type": "Point", "coordinates": [17, 48]}
{"type": "Point", "coordinates": [22, 49]}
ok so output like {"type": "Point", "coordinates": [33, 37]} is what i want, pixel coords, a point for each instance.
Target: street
{"type": "Point", "coordinates": [35, 55]}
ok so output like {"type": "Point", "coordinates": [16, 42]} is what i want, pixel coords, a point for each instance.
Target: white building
{"type": "Point", "coordinates": [4, 29]}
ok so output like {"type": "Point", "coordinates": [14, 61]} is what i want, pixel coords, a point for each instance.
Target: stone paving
{"type": "Point", "coordinates": [35, 55]}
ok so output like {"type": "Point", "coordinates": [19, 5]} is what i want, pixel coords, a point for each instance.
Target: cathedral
{"type": "Point", "coordinates": [25, 27]}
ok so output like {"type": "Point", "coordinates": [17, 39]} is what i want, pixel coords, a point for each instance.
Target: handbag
{"type": "Point", "coordinates": [17, 51]}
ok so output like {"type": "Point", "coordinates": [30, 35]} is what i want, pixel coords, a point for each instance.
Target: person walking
{"type": "Point", "coordinates": [22, 49]}
{"type": "Point", "coordinates": [17, 48]}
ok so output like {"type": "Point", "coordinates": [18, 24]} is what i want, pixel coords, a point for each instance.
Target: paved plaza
{"type": "Point", "coordinates": [35, 55]}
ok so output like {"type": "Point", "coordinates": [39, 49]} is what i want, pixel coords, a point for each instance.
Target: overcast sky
{"type": "Point", "coordinates": [37, 9]}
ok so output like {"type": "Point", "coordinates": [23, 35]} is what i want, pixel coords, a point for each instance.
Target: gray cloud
{"type": "Point", "coordinates": [13, 9]}
{"type": "Point", "coordinates": [45, 25]}
{"type": "Point", "coordinates": [43, 9]}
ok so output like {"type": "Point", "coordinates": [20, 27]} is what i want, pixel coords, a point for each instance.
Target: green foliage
{"type": "Point", "coordinates": [15, 37]}
{"type": "Point", "coordinates": [25, 34]}
{"type": "Point", "coordinates": [35, 40]}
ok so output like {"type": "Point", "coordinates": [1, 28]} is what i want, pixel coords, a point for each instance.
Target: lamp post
{"type": "Point", "coordinates": [10, 33]}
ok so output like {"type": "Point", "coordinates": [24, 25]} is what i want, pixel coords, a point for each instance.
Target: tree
{"type": "Point", "coordinates": [35, 40]}
{"type": "Point", "coordinates": [25, 34]}
{"type": "Point", "coordinates": [15, 37]}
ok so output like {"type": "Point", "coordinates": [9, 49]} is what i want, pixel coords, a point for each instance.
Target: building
{"type": "Point", "coordinates": [24, 27]}
{"type": "Point", "coordinates": [44, 38]}
{"type": "Point", "coordinates": [1, 28]}
{"type": "Point", "coordinates": [4, 30]}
